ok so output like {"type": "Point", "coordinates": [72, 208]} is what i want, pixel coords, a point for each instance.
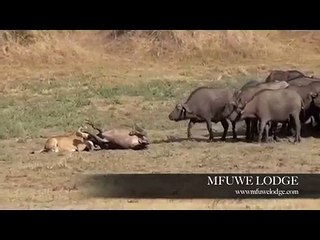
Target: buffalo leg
{"type": "Point", "coordinates": [291, 130]}
{"type": "Point", "coordinates": [284, 128]}
{"type": "Point", "coordinates": [190, 125]}
{"type": "Point", "coordinates": [289, 126]}
{"type": "Point", "coordinates": [267, 127]}
{"type": "Point", "coordinates": [209, 127]}
{"type": "Point", "coordinates": [248, 123]}
{"type": "Point", "coordinates": [298, 127]}
{"type": "Point", "coordinates": [225, 125]}
{"type": "Point", "coordinates": [234, 134]}
{"type": "Point", "coordinates": [317, 120]}
{"type": "Point", "coordinates": [262, 127]}
{"type": "Point", "coordinates": [254, 128]}
{"type": "Point", "coordinates": [312, 120]}
{"type": "Point", "coordinates": [274, 127]}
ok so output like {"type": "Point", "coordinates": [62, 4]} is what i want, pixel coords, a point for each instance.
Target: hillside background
{"type": "Point", "coordinates": [121, 55]}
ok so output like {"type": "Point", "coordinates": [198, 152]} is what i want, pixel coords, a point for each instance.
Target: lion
{"type": "Point", "coordinates": [69, 142]}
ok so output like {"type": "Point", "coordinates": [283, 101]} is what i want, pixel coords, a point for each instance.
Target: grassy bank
{"type": "Point", "coordinates": [64, 106]}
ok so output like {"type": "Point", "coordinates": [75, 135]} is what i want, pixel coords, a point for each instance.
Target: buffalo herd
{"type": "Point", "coordinates": [287, 98]}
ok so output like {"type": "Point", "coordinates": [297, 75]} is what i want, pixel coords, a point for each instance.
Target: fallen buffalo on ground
{"type": "Point", "coordinates": [205, 104]}
{"type": "Point", "coordinates": [119, 138]}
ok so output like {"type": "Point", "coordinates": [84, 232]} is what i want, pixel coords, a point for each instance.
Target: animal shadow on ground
{"type": "Point", "coordinates": [172, 186]}
{"type": "Point", "coordinates": [115, 149]}
{"type": "Point", "coordinates": [217, 138]}
{"type": "Point", "coordinates": [306, 131]}
{"type": "Point", "coordinates": [173, 139]}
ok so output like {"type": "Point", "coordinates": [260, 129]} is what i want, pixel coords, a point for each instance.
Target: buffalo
{"type": "Point", "coordinates": [206, 104]}
{"type": "Point", "coordinates": [274, 106]}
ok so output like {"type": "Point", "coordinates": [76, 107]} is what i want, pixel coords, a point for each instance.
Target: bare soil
{"type": "Point", "coordinates": [57, 181]}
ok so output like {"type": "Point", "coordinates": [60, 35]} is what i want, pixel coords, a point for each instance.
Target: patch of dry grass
{"type": "Point", "coordinates": [134, 55]}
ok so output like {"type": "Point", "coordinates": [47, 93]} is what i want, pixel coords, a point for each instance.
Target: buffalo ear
{"type": "Point", "coordinates": [186, 108]}
{"type": "Point", "coordinates": [314, 94]}
{"type": "Point", "coordinates": [179, 106]}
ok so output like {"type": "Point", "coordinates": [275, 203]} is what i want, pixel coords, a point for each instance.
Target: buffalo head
{"type": "Point", "coordinates": [180, 112]}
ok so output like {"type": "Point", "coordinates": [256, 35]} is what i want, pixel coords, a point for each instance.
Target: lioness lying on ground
{"type": "Point", "coordinates": [76, 141]}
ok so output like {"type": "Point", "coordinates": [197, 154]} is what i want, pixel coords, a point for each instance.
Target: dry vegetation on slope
{"type": "Point", "coordinates": [193, 53]}
{"type": "Point", "coordinates": [52, 80]}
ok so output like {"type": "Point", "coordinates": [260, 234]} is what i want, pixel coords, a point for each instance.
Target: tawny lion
{"type": "Point", "coordinates": [71, 143]}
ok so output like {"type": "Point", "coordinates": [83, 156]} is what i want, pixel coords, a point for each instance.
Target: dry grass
{"type": "Point", "coordinates": [99, 54]}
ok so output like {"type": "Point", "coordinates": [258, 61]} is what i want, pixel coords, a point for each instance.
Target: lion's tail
{"type": "Point", "coordinates": [39, 151]}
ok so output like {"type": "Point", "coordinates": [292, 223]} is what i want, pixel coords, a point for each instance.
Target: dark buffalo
{"type": "Point", "coordinates": [244, 95]}
{"type": "Point", "coordinates": [316, 100]}
{"type": "Point", "coordinates": [308, 94]}
{"type": "Point", "coordinates": [303, 81]}
{"type": "Point", "coordinates": [316, 106]}
{"type": "Point", "coordinates": [280, 75]}
{"type": "Point", "coordinates": [274, 106]}
{"type": "Point", "coordinates": [206, 104]}
{"type": "Point", "coordinates": [250, 124]}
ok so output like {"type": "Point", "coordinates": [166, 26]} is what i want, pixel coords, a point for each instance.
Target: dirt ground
{"type": "Point", "coordinates": [57, 181]}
